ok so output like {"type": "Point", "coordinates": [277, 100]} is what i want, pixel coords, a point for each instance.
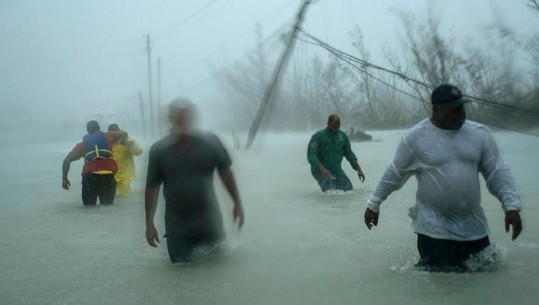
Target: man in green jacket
{"type": "Point", "coordinates": [325, 153]}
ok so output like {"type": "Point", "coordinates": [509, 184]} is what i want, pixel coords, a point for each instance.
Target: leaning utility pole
{"type": "Point", "coordinates": [150, 102]}
{"type": "Point", "coordinates": [275, 77]}
{"type": "Point", "coordinates": [142, 114]}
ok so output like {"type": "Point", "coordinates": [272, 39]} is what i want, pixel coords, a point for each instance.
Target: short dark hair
{"type": "Point", "coordinates": [332, 118]}
{"type": "Point", "coordinates": [92, 126]}
{"type": "Point", "coordinates": [114, 127]}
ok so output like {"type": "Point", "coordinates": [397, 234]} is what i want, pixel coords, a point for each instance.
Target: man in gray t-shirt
{"type": "Point", "coordinates": [446, 153]}
{"type": "Point", "coordinates": [184, 162]}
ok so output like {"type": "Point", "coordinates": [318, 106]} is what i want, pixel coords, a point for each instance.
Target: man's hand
{"type": "Point", "coordinates": [324, 171]}
{"type": "Point", "coordinates": [361, 175]}
{"type": "Point", "coordinates": [65, 183]}
{"type": "Point", "coordinates": [151, 235]}
{"type": "Point", "coordinates": [237, 213]}
{"type": "Point", "coordinates": [512, 218]}
{"type": "Point", "coordinates": [371, 218]}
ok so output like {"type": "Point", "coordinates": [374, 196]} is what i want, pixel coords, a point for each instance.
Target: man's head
{"type": "Point", "coordinates": [114, 127]}
{"type": "Point", "coordinates": [182, 116]}
{"type": "Point", "coordinates": [92, 126]}
{"type": "Point", "coordinates": [448, 107]}
{"type": "Point", "coordinates": [334, 123]}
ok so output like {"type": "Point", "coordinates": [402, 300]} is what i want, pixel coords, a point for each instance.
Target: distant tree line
{"type": "Point", "coordinates": [366, 98]}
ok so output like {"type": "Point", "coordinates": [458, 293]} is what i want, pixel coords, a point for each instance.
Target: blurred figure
{"type": "Point", "coordinates": [185, 161]}
{"type": "Point", "coordinates": [123, 152]}
{"type": "Point", "coordinates": [445, 153]}
{"type": "Point", "coordinates": [325, 153]}
{"type": "Point", "coordinates": [99, 167]}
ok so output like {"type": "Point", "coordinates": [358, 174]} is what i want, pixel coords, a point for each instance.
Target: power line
{"type": "Point", "coordinates": [193, 15]}
{"type": "Point", "coordinates": [350, 58]}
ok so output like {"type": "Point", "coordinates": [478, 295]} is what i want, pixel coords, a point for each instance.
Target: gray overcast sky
{"type": "Point", "coordinates": [65, 57]}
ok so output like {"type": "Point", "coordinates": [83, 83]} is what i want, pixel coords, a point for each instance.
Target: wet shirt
{"type": "Point", "coordinates": [446, 164]}
{"type": "Point", "coordinates": [100, 165]}
{"type": "Point", "coordinates": [187, 176]}
{"type": "Point", "coordinates": [329, 148]}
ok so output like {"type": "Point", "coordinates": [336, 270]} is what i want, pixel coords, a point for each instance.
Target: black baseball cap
{"type": "Point", "coordinates": [448, 95]}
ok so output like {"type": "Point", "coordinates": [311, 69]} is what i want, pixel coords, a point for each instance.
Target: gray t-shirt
{"type": "Point", "coordinates": [446, 164]}
{"type": "Point", "coordinates": [187, 176]}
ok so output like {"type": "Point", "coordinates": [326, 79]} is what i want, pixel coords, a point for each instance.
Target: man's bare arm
{"type": "Point", "coordinates": [229, 181]}
{"type": "Point", "coordinates": [151, 195]}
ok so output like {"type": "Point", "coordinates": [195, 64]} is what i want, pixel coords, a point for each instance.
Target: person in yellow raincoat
{"type": "Point", "coordinates": [123, 152]}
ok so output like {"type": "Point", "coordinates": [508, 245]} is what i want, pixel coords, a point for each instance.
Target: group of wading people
{"type": "Point", "coordinates": [445, 152]}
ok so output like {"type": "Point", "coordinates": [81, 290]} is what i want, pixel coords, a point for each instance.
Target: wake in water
{"type": "Point", "coordinates": [491, 259]}
{"type": "Point", "coordinates": [219, 250]}
{"type": "Point", "coordinates": [338, 192]}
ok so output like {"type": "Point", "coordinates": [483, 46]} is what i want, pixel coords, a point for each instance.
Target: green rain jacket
{"type": "Point", "coordinates": [329, 148]}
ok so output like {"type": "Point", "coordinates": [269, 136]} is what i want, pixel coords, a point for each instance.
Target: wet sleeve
{"type": "Point", "coordinates": [312, 150]}
{"type": "Point", "coordinates": [397, 173]}
{"type": "Point", "coordinates": [348, 153]}
{"type": "Point", "coordinates": [497, 175]}
{"type": "Point", "coordinates": [222, 159]}
{"type": "Point", "coordinates": [154, 177]}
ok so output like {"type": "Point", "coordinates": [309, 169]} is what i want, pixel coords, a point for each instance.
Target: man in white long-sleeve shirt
{"type": "Point", "coordinates": [446, 153]}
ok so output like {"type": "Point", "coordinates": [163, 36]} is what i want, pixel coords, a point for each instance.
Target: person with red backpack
{"type": "Point", "coordinates": [99, 167]}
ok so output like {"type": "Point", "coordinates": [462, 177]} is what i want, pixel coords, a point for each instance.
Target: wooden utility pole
{"type": "Point", "coordinates": [142, 114]}
{"type": "Point", "coordinates": [150, 102]}
{"type": "Point", "coordinates": [159, 116]}
{"type": "Point", "coordinates": [276, 74]}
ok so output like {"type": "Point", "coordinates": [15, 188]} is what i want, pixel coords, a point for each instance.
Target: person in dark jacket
{"type": "Point", "coordinates": [325, 152]}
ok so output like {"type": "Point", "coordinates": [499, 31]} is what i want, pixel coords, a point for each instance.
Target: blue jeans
{"type": "Point", "coordinates": [335, 184]}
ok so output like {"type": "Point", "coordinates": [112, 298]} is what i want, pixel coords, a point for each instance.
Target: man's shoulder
{"type": "Point", "coordinates": [477, 127]}
{"type": "Point", "coordinates": [319, 133]}
{"type": "Point", "coordinates": [418, 129]}
{"type": "Point", "coordinates": [162, 144]}
{"type": "Point", "coordinates": [342, 134]}
{"type": "Point", "coordinates": [209, 140]}
{"type": "Point", "coordinates": [79, 149]}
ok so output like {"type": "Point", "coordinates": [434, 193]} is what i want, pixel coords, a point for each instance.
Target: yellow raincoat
{"type": "Point", "coordinates": [123, 155]}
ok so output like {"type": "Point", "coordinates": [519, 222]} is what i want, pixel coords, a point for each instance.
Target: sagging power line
{"type": "Point", "coordinates": [352, 60]}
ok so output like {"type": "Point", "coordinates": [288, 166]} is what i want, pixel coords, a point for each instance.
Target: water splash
{"type": "Point", "coordinates": [221, 249]}
{"type": "Point", "coordinates": [491, 259]}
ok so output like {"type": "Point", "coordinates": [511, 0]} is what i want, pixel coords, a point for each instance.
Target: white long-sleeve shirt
{"type": "Point", "coordinates": [446, 164]}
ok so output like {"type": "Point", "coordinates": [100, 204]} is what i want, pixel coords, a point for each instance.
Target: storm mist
{"type": "Point", "coordinates": [374, 63]}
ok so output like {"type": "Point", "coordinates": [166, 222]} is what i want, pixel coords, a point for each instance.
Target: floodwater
{"type": "Point", "coordinates": [298, 246]}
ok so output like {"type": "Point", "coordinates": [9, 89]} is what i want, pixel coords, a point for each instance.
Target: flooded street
{"type": "Point", "coordinates": [298, 246]}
